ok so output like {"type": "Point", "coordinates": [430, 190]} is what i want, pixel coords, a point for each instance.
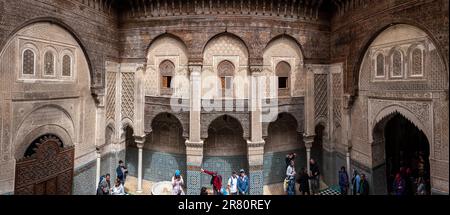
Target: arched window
{"type": "Point", "coordinates": [28, 62]}
{"type": "Point", "coordinates": [67, 66]}
{"type": "Point", "coordinates": [49, 63]}
{"type": "Point", "coordinates": [379, 65]}
{"type": "Point", "coordinates": [167, 71]}
{"type": "Point", "coordinates": [417, 62]}
{"type": "Point", "coordinates": [397, 61]}
{"type": "Point", "coordinates": [282, 70]}
{"type": "Point", "coordinates": [225, 71]}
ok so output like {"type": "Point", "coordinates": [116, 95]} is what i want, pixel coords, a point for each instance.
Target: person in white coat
{"type": "Point", "coordinates": [177, 183]}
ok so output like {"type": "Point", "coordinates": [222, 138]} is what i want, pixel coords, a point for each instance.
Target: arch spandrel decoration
{"type": "Point", "coordinates": [419, 113]}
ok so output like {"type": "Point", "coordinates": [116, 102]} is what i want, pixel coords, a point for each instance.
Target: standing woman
{"type": "Point", "coordinates": [177, 183]}
{"type": "Point", "coordinates": [290, 175]}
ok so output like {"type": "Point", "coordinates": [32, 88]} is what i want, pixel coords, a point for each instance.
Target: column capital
{"type": "Point", "coordinates": [255, 143]}
{"type": "Point", "coordinates": [308, 139]}
{"type": "Point", "coordinates": [194, 144]}
{"type": "Point", "coordinates": [139, 140]}
{"type": "Point", "coordinates": [256, 70]}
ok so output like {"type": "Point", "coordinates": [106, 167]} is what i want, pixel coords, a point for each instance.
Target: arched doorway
{"type": "Point", "coordinates": [164, 151]}
{"type": "Point", "coordinates": [283, 138]}
{"type": "Point", "coordinates": [225, 149]}
{"type": "Point", "coordinates": [406, 152]}
{"type": "Point", "coordinates": [131, 151]}
{"type": "Point", "coordinates": [46, 168]}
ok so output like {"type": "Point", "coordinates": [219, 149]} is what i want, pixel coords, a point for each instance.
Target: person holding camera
{"type": "Point", "coordinates": [122, 172]}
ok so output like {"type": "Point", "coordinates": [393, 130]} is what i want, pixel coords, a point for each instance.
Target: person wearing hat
{"type": "Point", "coordinates": [232, 183]}
{"type": "Point", "coordinates": [177, 183]}
{"type": "Point", "coordinates": [242, 183]}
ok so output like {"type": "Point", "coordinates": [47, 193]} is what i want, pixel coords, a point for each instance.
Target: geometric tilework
{"type": "Point", "coordinates": [156, 166]}
{"type": "Point", "coordinates": [256, 182]}
{"type": "Point", "coordinates": [224, 165]}
{"type": "Point", "coordinates": [275, 165]}
{"type": "Point", "coordinates": [193, 182]}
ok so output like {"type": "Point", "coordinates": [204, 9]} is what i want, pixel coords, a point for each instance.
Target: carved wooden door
{"type": "Point", "coordinates": [49, 171]}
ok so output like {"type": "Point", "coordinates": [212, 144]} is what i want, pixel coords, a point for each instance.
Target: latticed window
{"type": "Point", "coordinates": [397, 64]}
{"type": "Point", "coordinates": [49, 63]}
{"type": "Point", "coordinates": [28, 62]}
{"type": "Point", "coordinates": [225, 70]}
{"type": "Point", "coordinates": [67, 66]}
{"type": "Point", "coordinates": [167, 70]}
{"type": "Point", "coordinates": [380, 65]}
{"type": "Point", "coordinates": [283, 70]}
{"type": "Point", "coordinates": [417, 62]}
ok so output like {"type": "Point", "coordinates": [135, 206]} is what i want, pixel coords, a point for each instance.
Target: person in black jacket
{"type": "Point", "coordinates": [315, 176]}
{"type": "Point", "coordinates": [303, 181]}
{"type": "Point", "coordinates": [289, 157]}
{"type": "Point", "coordinates": [364, 186]}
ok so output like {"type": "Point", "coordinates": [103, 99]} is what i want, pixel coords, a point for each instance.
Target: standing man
{"type": "Point", "coordinates": [315, 176]}
{"type": "Point", "coordinates": [232, 184]}
{"type": "Point", "coordinates": [104, 186]}
{"type": "Point", "coordinates": [290, 175]}
{"type": "Point", "coordinates": [364, 189]}
{"type": "Point", "coordinates": [343, 181]}
{"type": "Point", "coordinates": [242, 183]}
{"type": "Point", "coordinates": [216, 181]}
{"type": "Point", "coordinates": [122, 172]}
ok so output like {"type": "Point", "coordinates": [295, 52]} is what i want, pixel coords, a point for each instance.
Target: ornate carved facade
{"type": "Point", "coordinates": [224, 85]}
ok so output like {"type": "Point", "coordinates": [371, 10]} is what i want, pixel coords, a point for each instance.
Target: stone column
{"type": "Point", "coordinates": [346, 129]}
{"type": "Point", "coordinates": [98, 167]}
{"type": "Point", "coordinates": [140, 140]}
{"type": "Point", "coordinates": [256, 143]}
{"type": "Point", "coordinates": [308, 140]}
{"type": "Point", "coordinates": [194, 145]}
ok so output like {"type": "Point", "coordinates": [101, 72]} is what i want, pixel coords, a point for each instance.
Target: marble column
{"type": "Point", "coordinates": [256, 143]}
{"type": "Point", "coordinates": [308, 140]}
{"type": "Point", "coordinates": [98, 167]}
{"type": "Point", "coordinates": [140, 140]}
{"type": "Point", "coordinates": [347, 128]}
{"type": "Point", "coordinates": [194, 145]}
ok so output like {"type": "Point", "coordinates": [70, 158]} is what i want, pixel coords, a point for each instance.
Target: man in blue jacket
{"type": "Point", "coordinates": [242, 183]}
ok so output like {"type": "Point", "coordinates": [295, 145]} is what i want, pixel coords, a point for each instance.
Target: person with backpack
{"type": "Point", "coordinates": [121, 172]}
{"type": "Point", "coordinates": [232, 184]}
{"type": "Point", "coordinates": [104, 186]}
{"type": "Point", "coordinates": [290, 176]}
{"type": "Point", "coordinates": [343, 181]}
{"type": "Point", "coordinates": [216, 181]}
{"type": "Point", "coordinates": [242, 183]}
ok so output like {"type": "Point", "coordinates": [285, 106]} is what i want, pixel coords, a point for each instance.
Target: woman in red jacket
{"type": "Point", "coordinates": [216, 181]}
